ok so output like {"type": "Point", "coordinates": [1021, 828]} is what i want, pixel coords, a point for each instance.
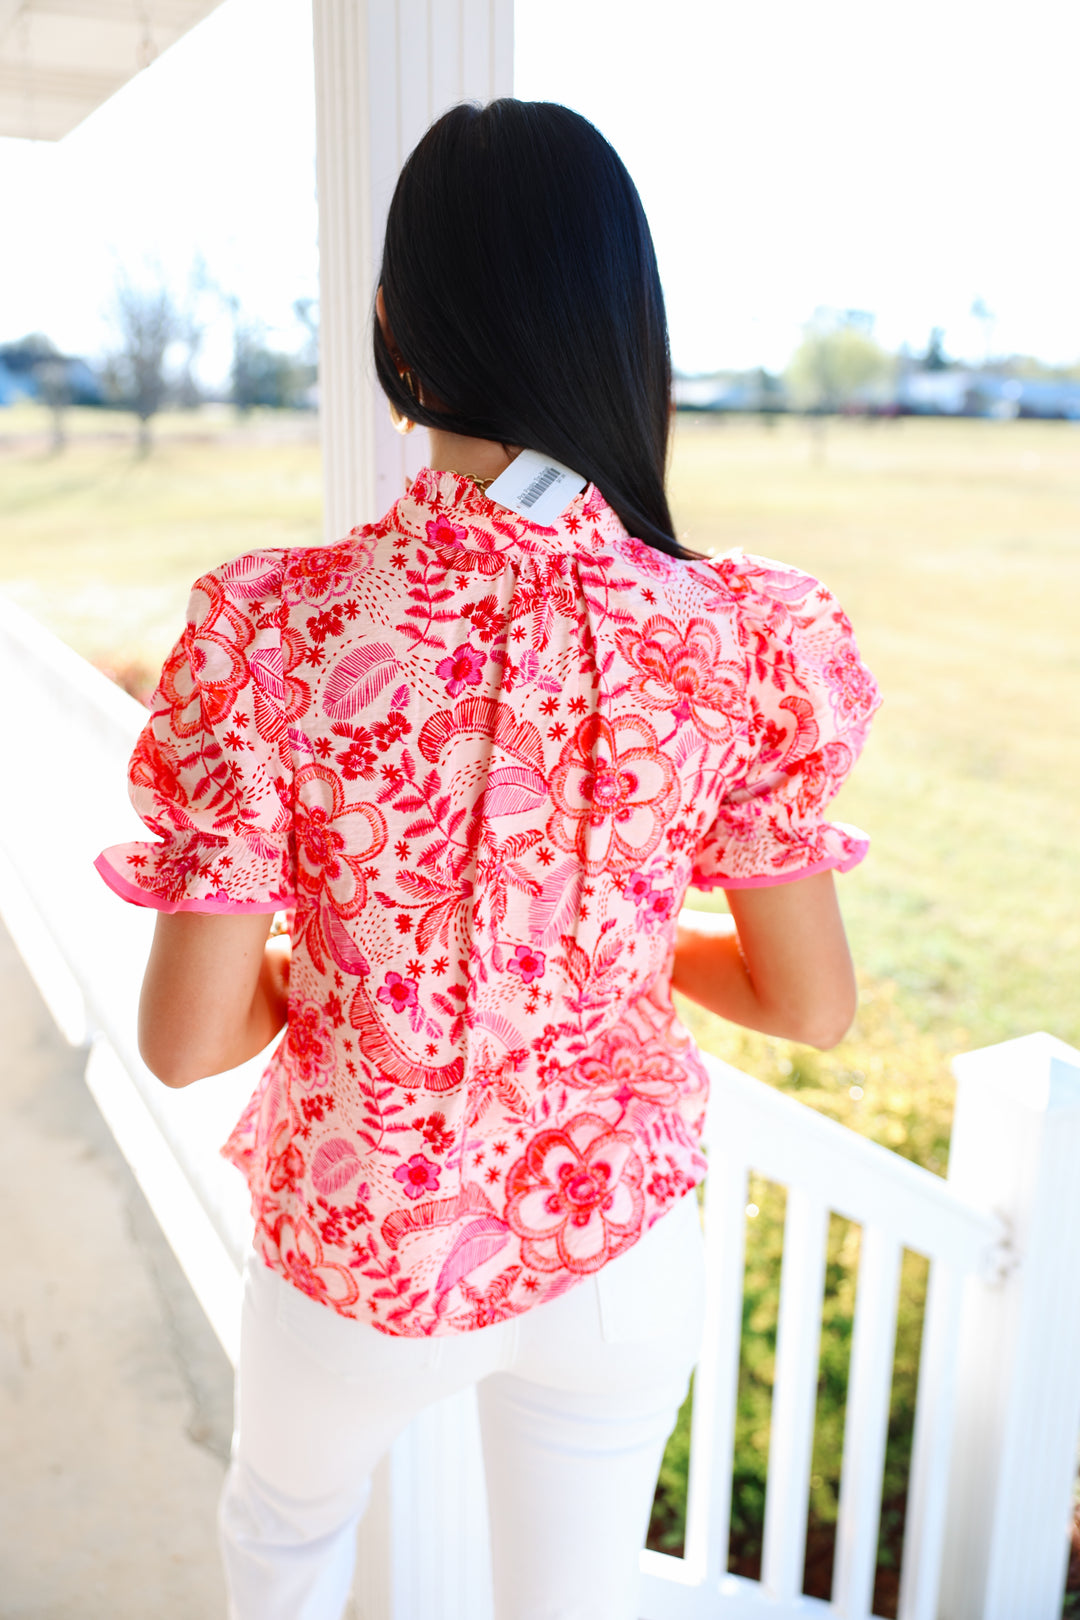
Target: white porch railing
{"type": "Point", "coordinates": [998, 1408]}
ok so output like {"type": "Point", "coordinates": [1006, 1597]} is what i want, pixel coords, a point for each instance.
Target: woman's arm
{"type": "Point", "coordinates": [782, 966]}
{"type": "Point", "coordinates": [215, 992]}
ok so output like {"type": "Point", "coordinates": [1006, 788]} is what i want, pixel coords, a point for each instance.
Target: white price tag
{"type": "Point", "coordinates": [535, 487]}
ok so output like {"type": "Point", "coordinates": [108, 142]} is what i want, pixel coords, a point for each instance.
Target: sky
{"type": "Point", "coordinates": [900, 160]}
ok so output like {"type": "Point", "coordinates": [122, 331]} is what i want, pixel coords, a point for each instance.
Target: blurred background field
{"type": "Point", "coordinates": [955, 547]}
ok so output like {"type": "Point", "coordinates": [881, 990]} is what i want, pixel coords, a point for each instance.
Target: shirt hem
{"type": "Point", "coordinates": [771, 880]}
{"type": "Point", "coordinates": [211, 904]}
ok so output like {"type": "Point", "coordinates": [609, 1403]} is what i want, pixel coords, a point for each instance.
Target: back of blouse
{"type": "Point", "coordinates": [480, 762]}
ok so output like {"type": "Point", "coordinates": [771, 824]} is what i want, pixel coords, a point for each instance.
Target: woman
{"type": "Point", "coordinates": [479, 757]}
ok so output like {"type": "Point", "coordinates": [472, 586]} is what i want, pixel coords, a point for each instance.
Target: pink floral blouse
{"type": "Point", "coordinates": [479, 762]}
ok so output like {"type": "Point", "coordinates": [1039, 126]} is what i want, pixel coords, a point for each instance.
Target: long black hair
{"type": "Point", "coordinates": [522, 293]}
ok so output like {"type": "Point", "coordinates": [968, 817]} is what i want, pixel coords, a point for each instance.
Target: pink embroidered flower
{"type": "Point", "coordinates": [614, 793]}
{"type": "Point", "coordinates": [575, 1198]}
{"type": "Point", "coordinates": [621, 1065]}
{"type": "Point", "coordinates": [461, 668]}
{"type": "Point", "coordinates": [398, 993]}
{"type": "Point", "coordinates": [637, 887]}
{"type": "Point", "coordinates": [853, 690]}
{"type": "Point", "coordinates": [527, 964]}
{"type": "Point", "coordinates": [661, 905]}
{"type": "Point", "coordinates": [419, 1176]}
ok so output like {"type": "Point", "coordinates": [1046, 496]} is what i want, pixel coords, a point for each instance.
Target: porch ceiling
{"type": "Point", "coordinates": [60, 59]}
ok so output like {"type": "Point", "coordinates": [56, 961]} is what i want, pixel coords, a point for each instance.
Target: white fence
{"type": "Point", "coordinates": [998, 1407]}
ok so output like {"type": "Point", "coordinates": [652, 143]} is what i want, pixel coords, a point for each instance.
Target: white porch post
{"type": "Point", "coordinates": [1016, 1151]}
{"type": "Point", "coordinates": [384, 69]}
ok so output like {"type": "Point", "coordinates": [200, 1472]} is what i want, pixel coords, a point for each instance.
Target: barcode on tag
{"type": "Point", "coordinates": [536, 487]}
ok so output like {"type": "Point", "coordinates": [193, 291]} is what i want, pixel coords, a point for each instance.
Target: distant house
{"type": "Point", "coordinates": [934, 393]}
{"type": "Point", "coordinates": [960, 392]}
{"type": "Point", "coordinates": [22, 365]}
{"type": "Point", "coordinates": [730, 391]}
{"type": "Point", "coordinates": [13, 387]}
{"type": "Point", "coordinates": [1049, 398]}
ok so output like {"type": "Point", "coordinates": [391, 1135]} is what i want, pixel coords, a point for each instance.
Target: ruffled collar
{"type": "Point", "coordinates": [455, 493]}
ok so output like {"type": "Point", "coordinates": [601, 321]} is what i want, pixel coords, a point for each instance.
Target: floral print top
{"type": "Point", "coordinates": [479, 762]}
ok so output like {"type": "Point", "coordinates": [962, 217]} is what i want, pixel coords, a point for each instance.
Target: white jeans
{"type": "Point", "coordinates": [576, 1398]}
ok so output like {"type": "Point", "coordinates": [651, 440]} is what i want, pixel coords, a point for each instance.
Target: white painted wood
{"type": "Point", "coordinates": [1016, 1148]}
{"type": "Point", "coordinates": [924, 1525]}
{"type": "Point", "coordinates": [384, 70]}
{"type": "Point", "coordinates": [712, 1443]}
{"type": "Point", "coordinates": [61, 60]}
{"type": "Point", "coordinates": [791, 1433]}
{"type": "Point", "coordinates": [873, 1186]}
{"type": "Point", "coordinates": [73, 731]}
{"type": "Point", "coordinates": [866, 1421]}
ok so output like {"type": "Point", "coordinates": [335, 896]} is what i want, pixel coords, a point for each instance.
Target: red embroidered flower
{"type": "Point", "coordinates": [320, 573]}
{"type": "Point", "coordinates": [472, 550]}
{"type": "Point", "coordinates": [417, 1177]}
{"type": "Point", "coordinates": [487, 618]}
{"type": "Point", "coordinates": [461, 668]}
{"type": "Point", "coordinates": [334, 840]}
{"type": "Point", "coordinates": [398, 993]}
{"type": "Point", "coordinates": [305, 1265]}
{"type": "Point", "coordinates": [309, 1045]}
{"type": "Point", "coordinates": [614, 792]}
{"type": "Point", "coordinates": [685, 673]}
{"type": "Point", "coordinates": [575, 1198]}
{"type": "Point", "coordinates": [207, 668]}
{"type": "Point", "coordinates": [527, 964]}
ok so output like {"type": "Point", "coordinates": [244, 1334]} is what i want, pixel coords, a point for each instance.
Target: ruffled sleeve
{"type": "Point", "coordinates": [810, 702]}
{"type": "Point", "coordinates": [211, 774]}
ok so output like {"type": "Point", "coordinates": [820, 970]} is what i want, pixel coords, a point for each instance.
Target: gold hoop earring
{"type": "Point", "coordinates": [403, 424]}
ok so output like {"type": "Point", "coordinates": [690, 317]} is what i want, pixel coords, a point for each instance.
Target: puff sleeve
{"type": "Point", "coordinates": [211, 774]}
{"type": "Point", "coordinates": [810, 699]}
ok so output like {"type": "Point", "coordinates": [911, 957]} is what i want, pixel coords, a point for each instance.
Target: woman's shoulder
{"type": "Point", "coordinates": [761, 587]}
{"type": "Point", "coordinates": [305, 576]}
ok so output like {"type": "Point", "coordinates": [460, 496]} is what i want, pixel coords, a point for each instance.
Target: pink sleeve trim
{"type": "Point", "coordinates": [771, 880]}
{"type": "Point", "coordinates": [211, 904]}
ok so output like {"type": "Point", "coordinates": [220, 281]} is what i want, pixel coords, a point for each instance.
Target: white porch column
{"type": "Point", "coordinates": [1016, 1151]}
{"type": "Point", "coordinates": [384, 69]}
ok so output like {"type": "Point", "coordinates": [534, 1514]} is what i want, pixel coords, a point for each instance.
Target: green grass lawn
{"type": "Point", "coordinates": [954, 547]}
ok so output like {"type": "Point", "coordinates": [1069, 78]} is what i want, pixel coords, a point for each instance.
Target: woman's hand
{"type": "Point", "coordinates": [779, 964]}
{"type": "Point", "coordinates": [215, 992]}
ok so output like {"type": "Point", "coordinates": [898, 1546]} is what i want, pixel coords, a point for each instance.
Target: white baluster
{"type": "Point", "coordinates": [1016, 1150]}
{"type": "Point", "coordinates": [712, 1439]}
{"type": "Point", "coordinates": [802, 1278]}
{"type": "Point", "coordinates": [865, 1422]}
{"type": "Point", "coordinates": [924, 1523]}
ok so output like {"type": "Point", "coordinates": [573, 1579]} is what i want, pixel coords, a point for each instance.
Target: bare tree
{"type": "Point", "coordinates": [147, 324]}
{"type": "Point", "coordinates": [191, 330]}
{"type": "Point", "coordinates": [54, 387]}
